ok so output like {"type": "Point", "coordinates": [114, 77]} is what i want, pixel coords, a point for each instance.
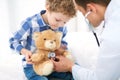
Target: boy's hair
{"type": "Point", "coordinates": [83, 3]}
{"type": "Point", "coordinates": [63, 6]}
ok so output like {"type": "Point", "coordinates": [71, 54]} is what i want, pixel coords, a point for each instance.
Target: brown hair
{"type": "Point", "coordinates": [64, 6]}
{"type": "Point", "coordinates": [84, 2]}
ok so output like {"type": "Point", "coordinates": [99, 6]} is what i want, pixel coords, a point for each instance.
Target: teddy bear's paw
{"type": "Point", "coordinates": [48, 68]}
{"type": "Point", "coordinates": [34, 58]}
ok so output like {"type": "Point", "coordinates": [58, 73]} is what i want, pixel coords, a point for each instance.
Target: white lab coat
{"type": "Point", "coordinates": [108, 63]}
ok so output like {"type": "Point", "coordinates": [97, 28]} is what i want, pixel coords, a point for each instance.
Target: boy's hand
{"type": "Point", "coordinates": [27, 54]}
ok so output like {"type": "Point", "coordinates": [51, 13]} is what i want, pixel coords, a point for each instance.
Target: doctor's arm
{"type": "Point", "coordinates": [79, 73]}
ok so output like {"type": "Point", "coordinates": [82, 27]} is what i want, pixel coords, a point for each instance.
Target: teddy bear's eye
{"type": "Point", "coordinates": [55, 40]}
{"type": "Point", "coordinates": [44, 38]}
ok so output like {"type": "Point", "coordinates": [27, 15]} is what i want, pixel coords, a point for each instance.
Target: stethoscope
{"type": "Point", "coordinates": [91, 27]}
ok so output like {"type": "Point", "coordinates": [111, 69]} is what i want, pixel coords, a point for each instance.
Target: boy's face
{"type": "Point", "coordinates": [56, 20]}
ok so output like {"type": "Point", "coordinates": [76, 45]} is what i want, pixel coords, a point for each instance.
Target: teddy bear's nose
{"type": "Point", "coordinates": [51, 42]}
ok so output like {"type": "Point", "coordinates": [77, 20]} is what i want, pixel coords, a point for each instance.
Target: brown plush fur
{"type": "Point", "coordinates": [46, 41]}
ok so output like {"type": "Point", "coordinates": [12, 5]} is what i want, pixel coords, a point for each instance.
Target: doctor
{"type": "Point", "coordinates": [108, 63]}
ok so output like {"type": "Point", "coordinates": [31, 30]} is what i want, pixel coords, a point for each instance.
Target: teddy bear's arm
{"type": "Point", "coordinates": [37, 57]}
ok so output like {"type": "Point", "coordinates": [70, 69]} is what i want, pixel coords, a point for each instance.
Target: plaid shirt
{"type": "Point", "coordinates": [23, 37]}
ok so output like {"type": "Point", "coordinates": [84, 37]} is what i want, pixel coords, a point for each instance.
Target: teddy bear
{"type": "Point", "coordinates": [47, 42]}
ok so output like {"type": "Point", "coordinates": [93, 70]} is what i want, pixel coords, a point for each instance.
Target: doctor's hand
{"type": "Point", "coordinates": [63, 65]}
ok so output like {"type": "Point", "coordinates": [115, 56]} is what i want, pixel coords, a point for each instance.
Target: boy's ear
{"type": "Point", "coordinates": [47, 6]}
{"type": "Point", "coordinates": [91, 7]}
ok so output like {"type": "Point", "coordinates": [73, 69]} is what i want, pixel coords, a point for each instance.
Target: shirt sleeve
{"type": "Point", "coordinates": [19, 37]}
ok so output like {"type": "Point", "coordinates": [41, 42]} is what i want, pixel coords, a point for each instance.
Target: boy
{"type": "Point", "coordinates": [57, 13]}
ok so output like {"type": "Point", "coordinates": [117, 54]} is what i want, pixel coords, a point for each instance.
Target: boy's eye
{"type": "Point", "coordinates": [57, 20]}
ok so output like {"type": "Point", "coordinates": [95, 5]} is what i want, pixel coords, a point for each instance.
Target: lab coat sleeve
{"type": "Point", "coordinates": [80, 73]}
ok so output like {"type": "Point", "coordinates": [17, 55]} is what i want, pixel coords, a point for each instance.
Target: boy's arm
{"type": "Point", "coordinates": [19, 37]}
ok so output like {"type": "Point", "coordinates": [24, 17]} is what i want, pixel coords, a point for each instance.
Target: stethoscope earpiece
{"type": "Point", "coordinates": [88, 13]}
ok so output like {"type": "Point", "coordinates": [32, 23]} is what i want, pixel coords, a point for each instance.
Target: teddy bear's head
{"type": "Point", "coordinates": [47, 40]}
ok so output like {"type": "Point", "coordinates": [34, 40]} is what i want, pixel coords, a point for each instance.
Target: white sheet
{"type": "Point", "coordinates": [11, 67]}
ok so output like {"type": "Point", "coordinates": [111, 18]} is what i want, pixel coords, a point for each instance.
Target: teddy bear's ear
{"type": "Point", "coordinates": [59, 35]}
{"type": "Point", "coordinates": [36, 35]}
